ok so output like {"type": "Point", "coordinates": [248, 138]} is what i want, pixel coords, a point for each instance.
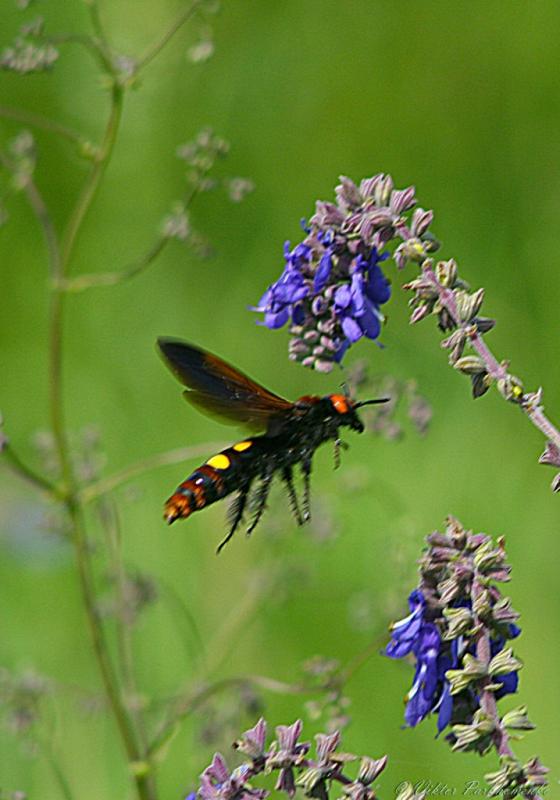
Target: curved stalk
{"type": "Point", "coordinates": [155, 49]}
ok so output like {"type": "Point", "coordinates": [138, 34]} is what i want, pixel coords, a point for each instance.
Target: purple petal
{"type": "Point", "coordinates": [445, 707]}
{"type": "Point", "coordinates": [378, 288]}
{"type": "Point", "coordinates": [323, 272]}
{"type": "Point", "coordinates": [369, 323]}
{"type": "Point", "coordinates": [343, 296]}
{"type": "Point", "coordinates": [351, 329]}
{"type": "Point", "coordinates": [276, 320]}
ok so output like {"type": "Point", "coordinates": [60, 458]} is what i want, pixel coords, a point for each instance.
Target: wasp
{"type": "Point", "coordinates": [290, 433]}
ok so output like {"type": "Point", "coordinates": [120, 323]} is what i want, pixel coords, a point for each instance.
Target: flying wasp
{"type": "Point", "coordinates": [290, 434]}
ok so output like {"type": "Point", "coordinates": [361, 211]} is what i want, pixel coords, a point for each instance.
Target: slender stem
{"type": "Point", "coordinates": [108, 514]}
{"type": "Point", "coordinates": [155, 49]}
{"type": "Point", "coordinates": [94, 490]}
{"type": "Point", "coordinates": [98, 28]}
{"type": "Point", "coordinates": [136, 762]}
{"type": "Point", "coordinates": [59, 263]}
{"type": "Point", "coordinates": [21, 469]}
{"type": "Point", "coordinates": [47, 749]}
{"type": "Point", "coordinates": [94, 47]}
{"type": "Point", "coordinates": [186, 705]}
{"type": "Point", "coordinates": [40, 121]}
{"type": "Point", "coordinates": [494, 368]}
{"type": "Point", "coordinates": [92, 182]}
{"type": "Point", "coordinates": [93, 280]}
{"type": "Point", "coordinates": [195, 647]}
{"type": "Point", "coordinates": [360, 659]}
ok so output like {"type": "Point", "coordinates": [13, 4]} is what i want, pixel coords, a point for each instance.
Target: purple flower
{"type": "Point", "coordinates": [330, 292]}
{"type": "Point", "coordinates": [287, 754]}
{"type": "Point", "coordinates": [510, 681]}
{"type": "Point", "coordinates": [404, 633]}
{"type": "Point", "coordinates": [423, 696]}
{"type": "Point", "coordinates": [280, 300]}
{"type": "Point", "coordinates": [415, 635]}
{"type": "Point", "coordinates": [434, 657]}
{"type": "Point", "coordinates": [216, 782]}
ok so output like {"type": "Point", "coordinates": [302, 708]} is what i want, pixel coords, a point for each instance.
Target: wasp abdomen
{"type": "Point", "coordinates": [213, 480]}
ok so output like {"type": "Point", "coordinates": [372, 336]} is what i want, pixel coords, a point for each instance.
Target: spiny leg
{"type": "Point", "coordinates": [338, 446]}
{"type": "Point", "coordinates": [235, 514]}
{"type": "Point", "coordinates": [306, 469]}
{"type": "Point", "coordinates": [287, 477]}
{"type": "Point", "coordinates": [260, 498]}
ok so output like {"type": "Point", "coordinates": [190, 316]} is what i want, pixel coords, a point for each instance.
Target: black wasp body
{"type": "Point", "coordinates": [292, 433]}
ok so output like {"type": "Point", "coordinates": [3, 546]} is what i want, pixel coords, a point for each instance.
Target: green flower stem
{"type": "Point", "coordinates": [138, 765]}
{"type": "Point", "coordinates": [188, 704]}
{"type": "Point", "coordinates": [18, 467]}
{"type": "Point", "coordinates": [46, 747]}
{"type": "Point", "coordinates": [155, 49]}
{"type": "Point", "coordinates": [105, 485]}
{"type": "Point", "coordinates": [108, 514]}
{"type": "Point", "coordinates": [59, 263]}
{"type": "Point", "coordinates": [93, 180]}
{"type": "Point", "coordinates": [495, 369]}
{"type": "Point", "coordinates": [42, 122]}
{"type": "Point", "coordinates": [93, 280]}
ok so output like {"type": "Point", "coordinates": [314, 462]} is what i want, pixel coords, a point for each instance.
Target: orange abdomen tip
{"type": "Point", "coordinates": [177, 507]}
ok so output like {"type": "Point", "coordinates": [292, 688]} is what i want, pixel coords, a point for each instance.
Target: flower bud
{"type": "Point", "coordinates": [446, 273]}
{"type": "Point", "coordinates": [470, 365]}
{"type": "Point", "coordinates": [517, 719]}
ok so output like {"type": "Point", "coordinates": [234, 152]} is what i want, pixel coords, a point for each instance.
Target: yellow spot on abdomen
{"type": "Point", "coordinates": [241, 446]}
{"type": "Point", "coordinates": [219, 461]}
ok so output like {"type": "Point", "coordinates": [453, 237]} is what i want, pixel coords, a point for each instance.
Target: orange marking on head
{"type": "Point", "coordinates": [177, 507]}
{"type": "Point", "coordinates": [340, 403]}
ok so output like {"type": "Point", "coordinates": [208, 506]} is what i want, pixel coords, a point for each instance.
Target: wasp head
{"type": "Point", "coordinates": [346, 410]}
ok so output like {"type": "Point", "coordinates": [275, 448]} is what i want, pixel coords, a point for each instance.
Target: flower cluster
{"type": "Point", "coordinates": [30, 51]}
{"type": "Point", "coordinates": [458, 633]}
{"type": "Point", "coordinates": [332, 287]}
{"type": "Point", "coordinates": [289, 758]}
{"type": "Point", "coordinates": [440, 292]}
{"type": "Point", "coordinates": [200, 156]}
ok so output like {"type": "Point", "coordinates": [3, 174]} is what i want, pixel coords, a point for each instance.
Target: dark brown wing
{"type": "Point", "coordinates": [218, 389]}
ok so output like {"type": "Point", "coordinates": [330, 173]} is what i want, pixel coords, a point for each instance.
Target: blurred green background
{"type": "Point", "coordinates": [460, 99]}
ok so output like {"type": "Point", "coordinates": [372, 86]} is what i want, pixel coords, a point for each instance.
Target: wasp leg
{"type": "Point", "coordinates": [235, 514]}
{"type": "Point", "coordinates": [260, 498]}
{"type": "Point", "coordinates": [287, 477]}
{"type": "Point", "coordinates": [338, 446]}
{"type": "Point", "coordinates": [306, 469]}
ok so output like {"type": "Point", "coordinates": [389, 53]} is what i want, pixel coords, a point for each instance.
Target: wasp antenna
{"type": "Point", "coordinates": [372, 402]}
{"type": "Point", "coordinates": [345, 388]}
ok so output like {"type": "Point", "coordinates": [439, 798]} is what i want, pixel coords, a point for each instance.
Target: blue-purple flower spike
{"type": "Point", "coordinates": [332, 287]}
{"type": "Point", "coordinates": [458, 620]}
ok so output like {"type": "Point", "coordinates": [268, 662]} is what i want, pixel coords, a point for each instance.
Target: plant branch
{"type": "Point", "coordinates": [155, 49]}
{"type": "Point", "coordinates": [108, 514]}
{"type": "Point", "coordinates": [94, 490]}
{"type": "Point", "coordinates": [140, 769]}
{"type": "Point", "coordinates": [40, 121]}
{"type": "Point", "coordinates": [93, 180]}
{"type": "Point", "coordinates": [484, 654]}
{"type": "Point", "coordinates": [188, 704]}
{"type": "Point", "coordinates": [529, 404]}
{"type": "Point", "coordinates": [137, 764]}
{"type": "Point", "coordinates": [18, 467]}
{"type": "Point", "coordinates": [93, 280]}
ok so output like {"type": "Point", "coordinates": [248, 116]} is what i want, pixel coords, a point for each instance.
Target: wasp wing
{"type": "Point", "coordinates": [218, 389]}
